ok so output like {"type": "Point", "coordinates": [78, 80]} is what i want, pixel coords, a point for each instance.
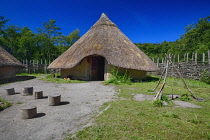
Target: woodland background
{"type": "Point", "coordinates": [48, 42]}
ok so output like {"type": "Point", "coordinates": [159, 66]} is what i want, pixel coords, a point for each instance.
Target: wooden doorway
{"type": "Point", "coordinates": [97, 68]}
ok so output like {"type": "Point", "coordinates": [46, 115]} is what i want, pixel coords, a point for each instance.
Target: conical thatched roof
{"type": "Point", "coordinates": [105, 39]}
{"type": "Point", "coordinates": [7, 59]}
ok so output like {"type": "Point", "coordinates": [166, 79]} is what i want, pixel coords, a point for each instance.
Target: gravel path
{"type": "Point", "coordinates": [79, 103]}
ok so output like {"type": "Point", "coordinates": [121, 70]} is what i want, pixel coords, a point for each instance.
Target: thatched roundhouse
{"type": "Point", "coordinates": [9, 65]}
{"type": "Point", "coordinates": [101, 49]}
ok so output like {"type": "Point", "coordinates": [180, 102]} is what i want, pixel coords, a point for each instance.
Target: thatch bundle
{"type": "Point", "coordinates": [6, 59]}
{"type": "Point", "coordinates": [105, 39]}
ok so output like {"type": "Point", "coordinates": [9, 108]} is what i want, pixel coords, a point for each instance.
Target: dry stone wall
{"type": "Point", "coordinates": [188, 70]}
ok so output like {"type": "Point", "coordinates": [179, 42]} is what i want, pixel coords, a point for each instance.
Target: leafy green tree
{"type": "Point", "coordinates": [3, 22]}
{"type": "Point", "coordinates": [26, 46]}
{"type": "Point", "coordinates": [69, 40]}
{"type": "Point", "coordinates": [48, 36]}
{"type": "Point", "coordinates": [73, 37]}
{"type": "Point", "coordinates": [10, 39]}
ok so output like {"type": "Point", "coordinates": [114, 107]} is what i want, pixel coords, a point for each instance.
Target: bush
{"type": "Point", "coordinates": [4, 104]}
{"type": "Point", "coordinates": [119, 78]}
{"type": "Point", "coordinates": [205, 76]}
{"type": "Point", "coordinates": [158, 103]}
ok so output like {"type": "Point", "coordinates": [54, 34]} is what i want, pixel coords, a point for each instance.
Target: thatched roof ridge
{"type": "Point", "coordinates": [105, 39]}
{"type": "Point", "coordinates": [6, 59]}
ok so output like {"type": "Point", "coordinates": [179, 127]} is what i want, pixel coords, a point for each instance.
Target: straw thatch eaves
{"type": "Point", "coordinates": [7, 59]}
{"type": "Point", "coordinates": [105, 39]}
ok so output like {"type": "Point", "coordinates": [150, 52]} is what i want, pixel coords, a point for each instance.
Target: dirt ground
{"type": "Point", "coordinates": [79, 102]}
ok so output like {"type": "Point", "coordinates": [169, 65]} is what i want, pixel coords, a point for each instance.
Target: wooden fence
{"type": "Point", "coordinates": [189, 65]}
{"type": "Point", "coordinates": [36, 66]}
{"type": "Point", "coordinates": [193, 58]}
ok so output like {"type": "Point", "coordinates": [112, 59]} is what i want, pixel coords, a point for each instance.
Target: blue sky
{"type": "Point", "coordinates": [145, 21]}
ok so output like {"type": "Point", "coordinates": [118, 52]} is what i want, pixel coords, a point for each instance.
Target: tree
{"type": "Point", "coordinates": [10, 39]}
{"type": "Point", "coordinates": [72, 37]}
{"type": "Point", "coordinates": [26, 46]}
{"type": "Point", "coordinates": [2, 24]}
{"type": "Point", "coordinates": [69, 40]}
{"type": "Point", "coordinates": [47, 37]}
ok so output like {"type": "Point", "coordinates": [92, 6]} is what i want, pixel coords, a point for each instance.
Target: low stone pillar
{"type": "Point", "coordinates": [27, 91]}
{"type": "Point", "coordinates": [38, 94]}
{"type": "Point", "coordinates": [28, 112]}
{"type": "Point", "coordinates": [10, 91]}
{"type": "Point", "coordinates": [54, 100]}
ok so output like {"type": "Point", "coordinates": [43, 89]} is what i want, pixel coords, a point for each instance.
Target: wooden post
{"type": "Point", "coordinates": [28, 112]}
{"type": "Point", "coordinates": [54, 100]}
{"type": "Point", "coordinates": [174, 58]}
{"type": "Point", "coordinates": [209, 56]}
{"type": "Point", "coordinates": [203, 58]}
{"type": "Point", "coordinates": [192, 56]}
{"type": "Point", "coordinates": [187, 57]}
{"type": "Point", "coordinates": [178, 58]}
{"type": "Point", "coordinates": [27, 91]}
{"type": "Point", "coordinates": [182, 79]}
{"type": "Point", "coordinates": [196, 57]}
{"type": "Point", "coordinates": [38, 94]}
{"type": "Point", "coordinates": [157, 62]}
{"type": "Point", "coordinates": [159, 94]}
{"type": "Point", "coordinates": [10, 91]}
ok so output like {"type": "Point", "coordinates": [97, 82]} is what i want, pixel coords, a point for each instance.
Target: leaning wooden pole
{"type": "Point", "coordinates": [182, 79]}
{"type": "Point", "coordinates": [159, 94]}
{"type": "Point", "coordinates": [160, 79]}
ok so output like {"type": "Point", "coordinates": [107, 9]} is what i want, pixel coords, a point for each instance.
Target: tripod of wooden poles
{"type": "Point", "coordinates": [165, 73]}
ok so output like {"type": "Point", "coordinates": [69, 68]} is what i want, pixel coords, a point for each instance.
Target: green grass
{"type": "Point", "coordinates": [50, 78]}
{"type": "Point", "coordinates": [131, 119]}
{"type": "Point", "coordinates": [4, 104]}
{"type": "Point", "coordinates": [37, 75]}
{"type": "Point", "coordinates": [19, 102]}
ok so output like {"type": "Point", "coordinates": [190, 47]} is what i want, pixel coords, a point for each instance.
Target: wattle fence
{"type": "Point", "coordinates": [36, 66]}
{"type": "Point", "coordinates": [189, 65]}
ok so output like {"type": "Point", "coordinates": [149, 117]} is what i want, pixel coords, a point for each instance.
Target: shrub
{"type": "Point", "coordinates": [158, 103]}
{"type": "Point", "coordinates": [205, 76]}
{"type": "Point", "coordinates": [119, 78]}
{"type": "Point", "coordinates": [4, 104]}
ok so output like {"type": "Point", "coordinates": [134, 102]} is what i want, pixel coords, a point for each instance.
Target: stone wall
{"type": "Point", "coordinates": [189, 70]}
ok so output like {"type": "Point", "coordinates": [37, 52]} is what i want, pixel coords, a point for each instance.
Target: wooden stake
{"type": "Point", "coordinates": [159, 94]}
{"type": "Point", "coordinates": [182, 79]}
{"type": "Point", "coordinates": [160, 79]}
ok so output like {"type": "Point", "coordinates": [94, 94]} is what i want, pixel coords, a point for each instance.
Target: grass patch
{"type": "Point", "coordinates": [118, 78]}
{"type": "Point", "coordinates": [19, 102]}
{"type": "Point", "coordinates": [131, 119]}
{"type": "Point", "coordinates": [37, 75]}
{"type": "Point", "coordinates": [4, 104]}
{"type": "Point", "coordinates": [53, 79]}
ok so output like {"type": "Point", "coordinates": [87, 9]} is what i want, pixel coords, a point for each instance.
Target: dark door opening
{"type": "Point", "coordinates": [97, 68]}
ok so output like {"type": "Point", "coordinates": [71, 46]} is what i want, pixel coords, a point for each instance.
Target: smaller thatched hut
{"type": "Point", "coordinates": [9, 65]}
{"type": "Point", "coordinates": [103, 48]}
